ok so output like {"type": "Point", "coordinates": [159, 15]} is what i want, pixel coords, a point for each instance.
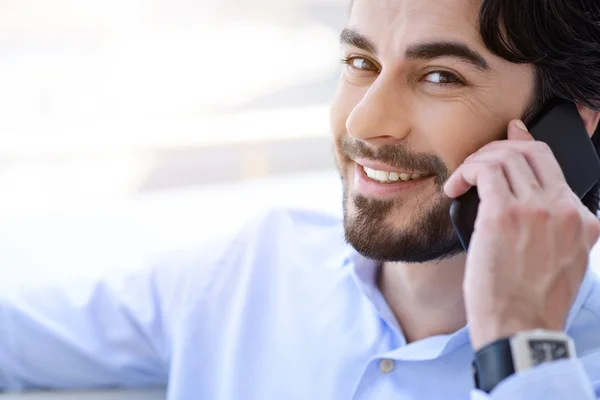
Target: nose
{"type": "Point", "coordinates": [381, 117]}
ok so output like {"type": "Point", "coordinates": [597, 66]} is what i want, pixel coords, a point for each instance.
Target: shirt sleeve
{"type": "Point", "coordinates": [102, 333]}
{"type": "Point", "coordinates": [113, 332]}
{"type": "Point", "coordinates": [558, 380]}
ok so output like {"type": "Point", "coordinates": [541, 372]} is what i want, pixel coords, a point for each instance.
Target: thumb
{"type": "Point", "coordinates": [518, 131]}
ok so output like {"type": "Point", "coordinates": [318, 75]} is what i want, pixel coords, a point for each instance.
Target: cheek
{"type": "Point", "coordinates": [454, 131]}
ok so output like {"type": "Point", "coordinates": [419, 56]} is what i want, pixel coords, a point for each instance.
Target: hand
{"type": "Point", "coordinates": [530, 248]}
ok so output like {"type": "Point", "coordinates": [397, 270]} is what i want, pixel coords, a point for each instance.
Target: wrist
{"type": "Point", "coordinates": [505, 357]}
{"type": "Point", "coordinates": [485, 332]}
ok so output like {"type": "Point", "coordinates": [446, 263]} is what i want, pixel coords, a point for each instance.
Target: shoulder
{"type": "Point", "coordinates": [288, 239]}
{"type": "Point", "coordinates": [271, 249]}
{"type": "Point", "coordinates": [294, 228]}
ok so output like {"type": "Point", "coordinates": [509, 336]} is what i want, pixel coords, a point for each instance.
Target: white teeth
{"type": "Point", "coordinates": [394, 176]}
{"type": "Point", "coordinates": [384, 176]}
{"type": "Point", "coordinates": [370, 172]}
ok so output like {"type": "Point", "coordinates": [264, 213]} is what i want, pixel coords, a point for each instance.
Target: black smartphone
{"type": "Point", "coordinates": [559, 125]}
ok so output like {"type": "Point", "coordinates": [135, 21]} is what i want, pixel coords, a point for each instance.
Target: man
{"type": "Point", "coordinates": [287, 310]}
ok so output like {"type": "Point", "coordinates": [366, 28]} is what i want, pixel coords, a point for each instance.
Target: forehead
{"type": "Point", "coordinates": [394, 24]}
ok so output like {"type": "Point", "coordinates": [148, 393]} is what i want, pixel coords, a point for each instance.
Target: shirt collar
{"type": "Point", "coordinates": [365, 272]}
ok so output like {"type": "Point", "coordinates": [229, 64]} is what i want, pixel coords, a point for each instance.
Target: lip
{"type": "Point", "coordinates": [383, 167]}
{"type": "Point", "coordinates": [368, 187]}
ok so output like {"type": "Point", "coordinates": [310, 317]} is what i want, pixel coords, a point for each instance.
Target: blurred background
{"type": "Point", "coordinates": [133, 127]}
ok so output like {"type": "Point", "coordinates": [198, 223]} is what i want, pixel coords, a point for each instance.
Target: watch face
{"type": "Point", "coordinates": [547, 350]}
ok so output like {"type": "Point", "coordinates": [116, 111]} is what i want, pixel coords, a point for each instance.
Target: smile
{"type": "Point", "coordinates": [372, 178]}
{"type": "Point", "coordinates": [389, 177]}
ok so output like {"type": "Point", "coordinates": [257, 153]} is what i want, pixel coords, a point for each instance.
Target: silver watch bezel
{"type": "Point", "coordinates": [519, 345]}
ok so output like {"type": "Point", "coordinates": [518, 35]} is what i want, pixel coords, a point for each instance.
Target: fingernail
{"type": "Point", "coordinates": [521, 125]}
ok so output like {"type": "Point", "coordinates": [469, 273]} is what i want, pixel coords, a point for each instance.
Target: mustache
{"type": "Point", "coordinates": [396, 156]}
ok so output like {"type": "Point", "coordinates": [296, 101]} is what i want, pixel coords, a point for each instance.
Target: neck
{"type": "Point", "coordinates": [426, 299]}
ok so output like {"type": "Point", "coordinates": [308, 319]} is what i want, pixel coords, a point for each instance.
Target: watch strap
{"type": "Point", "coordinates": [493, 363]}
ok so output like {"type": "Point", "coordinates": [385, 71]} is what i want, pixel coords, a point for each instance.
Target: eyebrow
{"type": "Point", "coordinates": [422, 51]}
{"type": "Point", "coordinates": [352, 38]}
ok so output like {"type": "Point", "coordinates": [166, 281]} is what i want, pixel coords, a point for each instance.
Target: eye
{"type": "Point", "coordinates": [442, 78]}
{"type": "Point", "coordinates": [360, 64]}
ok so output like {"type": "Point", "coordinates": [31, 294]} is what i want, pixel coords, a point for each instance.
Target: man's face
{"type": "Point", "coordinates": [419, 93]}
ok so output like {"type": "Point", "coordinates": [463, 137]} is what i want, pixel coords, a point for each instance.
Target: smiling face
{"type": "Point", "coordinates": [418, 93]}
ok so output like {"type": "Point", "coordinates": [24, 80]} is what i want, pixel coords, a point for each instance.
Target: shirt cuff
{"type": "Point", "coordinates": [558, 380]}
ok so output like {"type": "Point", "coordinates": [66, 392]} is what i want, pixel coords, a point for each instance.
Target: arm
{"type": "Point", "coordinates": [527, 258]}
{"type": "Point", "coordinates": [117, 332]}
{"type": "Point", "coordinates": [93, 334]}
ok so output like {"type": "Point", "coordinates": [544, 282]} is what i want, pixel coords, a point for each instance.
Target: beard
{"type": "Point", "coordinates": [428, 233]}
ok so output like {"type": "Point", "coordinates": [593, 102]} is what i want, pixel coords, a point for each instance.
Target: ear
{"type": "Point", "coordinates": [590, 118]}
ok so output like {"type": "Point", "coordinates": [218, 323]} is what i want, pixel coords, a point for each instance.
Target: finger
{"type": "Point", "coordinates": [479, 174]}
{"type": "Point", "coordinates": [518, 131]}
{"type": "Point", "coordinates": [492, 186]}
{"type": "Point", "coordinates": [519, 174]}
{"type": "Point", "coordinates": [538, 155]}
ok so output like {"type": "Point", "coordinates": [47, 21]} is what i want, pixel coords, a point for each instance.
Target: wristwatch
{"type": "Point", "coordinates": [502, 358]}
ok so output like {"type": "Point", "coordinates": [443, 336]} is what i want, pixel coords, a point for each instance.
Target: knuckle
{"type": "Point", "coordinates": [593, 225]}
{"type": "Point", "coordinates": [518, 213]}
{"type": "Point", "coordinates": [570, 220]}
{"type": "Point", "coordinates": [541, 213]}
{"type": "Point", "coordinates": [569, 214]}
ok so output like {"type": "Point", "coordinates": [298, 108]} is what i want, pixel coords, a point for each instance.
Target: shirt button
{"type": "Point", "coordinates": [386, 365]}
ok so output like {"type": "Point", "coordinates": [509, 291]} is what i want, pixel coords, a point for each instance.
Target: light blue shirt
{"type": "Point", "coordinates": [283, 310]}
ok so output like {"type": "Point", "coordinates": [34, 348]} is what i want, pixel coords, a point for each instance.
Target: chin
{"type": "Point", "coordinates": [382, 230]}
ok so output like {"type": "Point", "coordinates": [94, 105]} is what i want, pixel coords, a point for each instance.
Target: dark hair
{"type": "Point", "coordinates": [562, 39]}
